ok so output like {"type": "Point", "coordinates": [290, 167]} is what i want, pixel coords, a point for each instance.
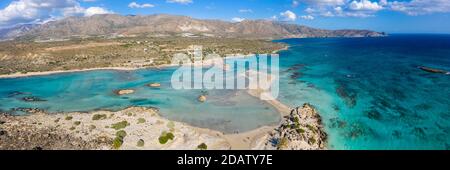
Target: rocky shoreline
{"type": "Point", "coordinates": [139, 128]}
{"type": "Point", "coordinates": [301, 130]}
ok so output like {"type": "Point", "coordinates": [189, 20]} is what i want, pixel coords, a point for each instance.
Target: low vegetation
{"type": "Point", "coordinates": [165, 137]}
{"type": "Point", "coordinates": [142, 51]}
{"type": "Point", "coordinates": [202, 146]}
{"type": "Point", "coordinates": [120, 125]}
{"type": "Point", "coordinates": [140, 143]}
{"type": "Point", "coordinates": [68, 118]}
{"type": "Point", "coordinates": [141, 120]}
{"type": "Point", "coordinates": [99, 117]}
{"type": "Point", "coordinates": [118, 140]}
{"type": "Point", "coordinates": [121, 134]}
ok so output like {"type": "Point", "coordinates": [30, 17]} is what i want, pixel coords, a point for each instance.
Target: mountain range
{"type": "Point", "coordinates": [113, 24]}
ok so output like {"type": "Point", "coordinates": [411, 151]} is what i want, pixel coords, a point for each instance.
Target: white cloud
{"type": "Point", "coordinates": [288, 16]}
{"type": "Point", "coordinates": [307, 17]}
{"type": "Point", "coordinates": [309, 10]}
{"type": "Point", "coordinates": [295, 3]}
{"type": "Point", "coordinates": [365, 5]}
{"type": "Point", "coordinates": [324, 2]}
{"type": "Point", "coordinates": [344, 8]}
{"type": "Point", "coordinates": [237, 19]}
{"type": "Point", "coordinates": [40, 11]}
{"type": "Point", "coordinates": [273, 18]}
{"type": "Point", "coordinates": [246, 11]}
{"type": "Point", "coordinates": [96, 10]}
{"type": "Point", "coordinates": [73, 11]}
{"type": "Point", "coordinates": [327, 14]}
{"type": "Point", "coordinates": [180, 1]}
{"type": "Point", "coordinates": [369, 8]}
{"type": "Point", "coordinates": [338, 9]}
{"type": "Point", "coordinates": [80, 11]}
{"type": "Point", "coordinates": [25, 11]}
{"type": "Point", "coordinates": [420, 7]}
{"type": "Point", "coordinates": [136, 5]}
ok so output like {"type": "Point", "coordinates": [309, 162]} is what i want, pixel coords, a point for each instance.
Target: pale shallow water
{"type": "Point", "coordinates": [229, 111]}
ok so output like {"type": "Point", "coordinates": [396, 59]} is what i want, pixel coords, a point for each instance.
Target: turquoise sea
{"type": "Point", "coordinates": [369, 92]}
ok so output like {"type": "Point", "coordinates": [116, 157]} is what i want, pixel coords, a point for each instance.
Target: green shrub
{"type": "Point", "coordinates": [202, 146]}
{"type": "Point", "coordinates": [165, 137]}
{"type": "Point", "coordinates": [295, 126]}
{"type": "Point", "coordinates": [122, 134]}
{"type": "Point", "coordinates": [140, 143]}
{"type": "Point", "coordinates": [77, 123]}
{"type": "Point", "coordinates": [117, 142]}
{"type": "Point", "coordinates": [296, 120]}
{"type": "Point", "coordinates": [141, 120]}
{"type": "Point", "coordinates": [72, 128]}
{"type": "Point", "coordinates": [311, 128]}
{"type": "Point", "coordinates": [312, 140]}
{"type": "Point", "coordinates": [300, 130]}
{"type": "Point", "coordinates": [68, 118]}
{"type": "Point", "coordinates": [120, 125]}
{"type": "Point", "coordinates": [99, 117]}
{"type": "Point", "coordinates": [92, 127]}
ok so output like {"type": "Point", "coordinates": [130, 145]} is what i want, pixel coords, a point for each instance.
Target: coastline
{"type": "Point", "coordinates": [44, 73]}
{"type": "Point", "coordinates": [131, 68]}
{"type": "Point", "coordinates": [257, 139]}
{"type": "Point", "coordinates": [137, 123]}
{"type": "Point", "coordinates": [91, 133]}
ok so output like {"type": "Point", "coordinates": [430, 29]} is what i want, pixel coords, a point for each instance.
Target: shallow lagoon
{"type": "Point", "coordinates": [229, 111]}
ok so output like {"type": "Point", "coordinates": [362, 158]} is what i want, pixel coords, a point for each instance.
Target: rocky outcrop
{"type": "Point", "coordinates": [27, 110]}
{"type": "Point", "coordinates": [124, 92]}
{"type": "Point", "coordinates": [201, 98]}
{"type": "Point", "coordinates": [33, 99]}
{"type": "Point", "coordinates": [433, 70]}
{"type": "Point", "coordinates": [301, 130]}
{"type": "Point", "coordinates": [154, 85]}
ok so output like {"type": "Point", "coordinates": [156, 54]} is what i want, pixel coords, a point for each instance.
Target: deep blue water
{"type": "Point", "coordinates": [369, 92]}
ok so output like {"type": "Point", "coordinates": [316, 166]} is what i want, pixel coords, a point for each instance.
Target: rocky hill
{"type": "Point", "coordinates": [118, 25]}
{"type": "Point", "coordinates": [12, 32]}
{"type": "Point", "coordinates": [301, 130]}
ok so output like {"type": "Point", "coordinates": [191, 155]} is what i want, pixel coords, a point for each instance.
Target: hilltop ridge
{"type": "Point", "coordinates": [128, 25]}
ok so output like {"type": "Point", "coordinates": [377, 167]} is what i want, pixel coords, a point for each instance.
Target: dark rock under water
{"type": "Point", "coordinates": [433, 70]}
{"type": "Point", "coordinates": [33, 99]}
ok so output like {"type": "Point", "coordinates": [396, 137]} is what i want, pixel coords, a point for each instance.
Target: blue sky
{"type": "Point", "coordinates": [393, 16]}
